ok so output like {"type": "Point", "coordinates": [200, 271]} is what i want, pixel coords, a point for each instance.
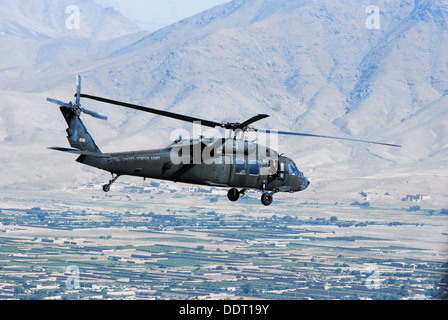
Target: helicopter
{"type": "Point", "coordinates": [230, 161]}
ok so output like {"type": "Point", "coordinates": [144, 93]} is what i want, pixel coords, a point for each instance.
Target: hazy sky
{"type": "Point", "coordinates": [154, 14]}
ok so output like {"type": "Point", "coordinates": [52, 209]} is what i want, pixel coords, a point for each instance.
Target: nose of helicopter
{"type": "Point", "coordinates": [305, 184]}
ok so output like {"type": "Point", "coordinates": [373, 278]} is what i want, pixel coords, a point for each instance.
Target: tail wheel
{"type": "Point", "coordinates": [106, 187]}
{"type": "Point", "coordinates": [266, 198]}
{"type": "Point", "coordinates": [233, 194]}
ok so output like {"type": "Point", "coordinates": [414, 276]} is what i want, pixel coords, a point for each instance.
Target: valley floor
{"type": "Point", "coordinates": [163, 243]}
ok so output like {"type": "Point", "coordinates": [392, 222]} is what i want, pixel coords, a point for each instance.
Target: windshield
{"type": "Point", "coordinates": [292, 169]}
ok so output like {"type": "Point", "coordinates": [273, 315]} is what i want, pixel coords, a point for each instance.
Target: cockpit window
{"type": "Point", "coordinates": [292, 169]}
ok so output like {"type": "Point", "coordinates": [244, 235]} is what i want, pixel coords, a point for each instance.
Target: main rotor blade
{"type": "Point", "coordinates": [251, 120]}
{"type": "Point", "coordinates": [155, 111]}
{"type": "Point", "coordinates": [326, 137]}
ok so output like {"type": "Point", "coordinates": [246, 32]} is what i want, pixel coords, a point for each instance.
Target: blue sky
{"type": "Point", "coordinates": [154, 14]}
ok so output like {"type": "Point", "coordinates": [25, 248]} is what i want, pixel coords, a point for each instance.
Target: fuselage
{"type": "Point", "coordinates": [222, 163]}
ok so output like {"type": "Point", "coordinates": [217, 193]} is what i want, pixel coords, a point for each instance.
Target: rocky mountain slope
{"type": "Point", "coordinates": [314, 66]}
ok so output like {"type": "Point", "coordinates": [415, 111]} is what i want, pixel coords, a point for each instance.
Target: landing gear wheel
{"type": "Point", "coordinates": [266, 198]}
{"type": "Point", "coordinates": [233, 194]}
{"type": "Point", "coordinates": [106, 187]}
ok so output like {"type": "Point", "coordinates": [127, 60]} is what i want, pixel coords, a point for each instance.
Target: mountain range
{"type": "Point", "coordinates": [313, 66]}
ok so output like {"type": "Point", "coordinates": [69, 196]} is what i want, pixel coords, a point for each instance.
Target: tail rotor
{"type": "Point", "coordinates": [76, 106]}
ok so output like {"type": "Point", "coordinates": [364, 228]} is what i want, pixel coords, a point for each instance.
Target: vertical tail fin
{"type": "Point", "coordinates": [78, 136]}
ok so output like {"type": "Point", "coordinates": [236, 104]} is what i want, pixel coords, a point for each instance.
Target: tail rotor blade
{"type": "Point", "coordinates": [59, 103]}
{"type": "Point", "coordinates": [78, 91]}
{"type": "Point", "coordinates": [71, 106]}
{"type": "Point", "coordinates": [94, 114]}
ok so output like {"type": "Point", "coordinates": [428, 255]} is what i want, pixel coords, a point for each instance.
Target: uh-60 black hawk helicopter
{"type": "Point", "coordinates": [230, 161]}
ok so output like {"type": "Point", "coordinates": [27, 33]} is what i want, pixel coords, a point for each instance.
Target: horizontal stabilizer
{"type": "Point", "coordinates": [82, 152]}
